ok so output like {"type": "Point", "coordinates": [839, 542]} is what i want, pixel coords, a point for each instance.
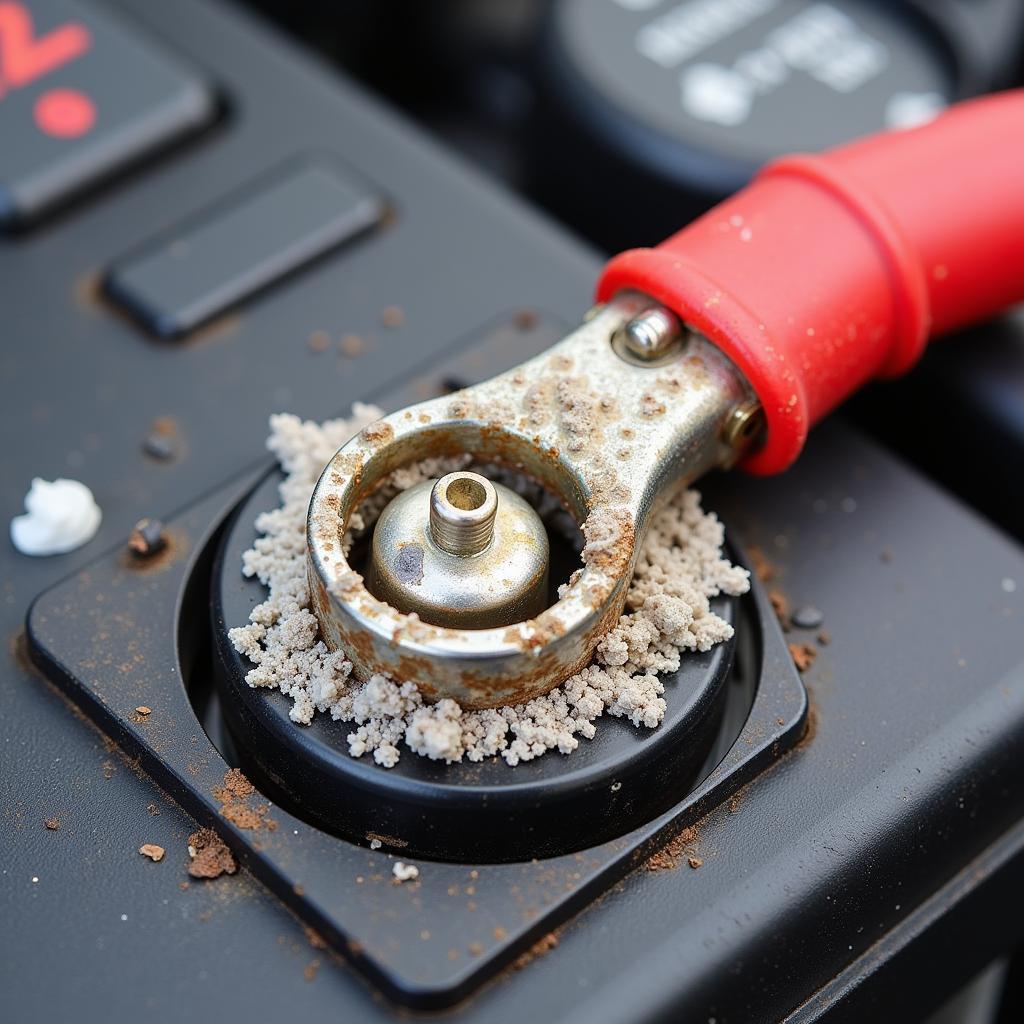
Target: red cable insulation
{"type": "Point", "coordinates": [830, 270]}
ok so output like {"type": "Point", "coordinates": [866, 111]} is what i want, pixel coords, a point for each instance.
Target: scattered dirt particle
{"type": "Point", "coordinates": [319, 341]}
{"type": "Point", "coordinates": [763, 569]}
{"type": "Point", "coordinates": [695, 862]}
{"type": "Point", "coordinates": [245, 817]}
{"type": "Point", "coordinates": [384, 840]}
{"type": "Point", "coordinates": [309, 971]}
{"type": "Point", "coordinates": [315, 939]}
{"type": "Point", "coordinates": [780, 605]}
{"type": "Point", "coordinates": [525, 320]}
{"type": "Point", "coordinates": [153, 852]}
{"type": "Point", "coordinates": [669, 856]}
{"type": "Point", "coordinates": [109, 769]}
{"type": "Point", "coordinates": [352, 345]}
{"type": "Point", "coordinates": [143, 710]}
{"type": "Point", "coordinates": [153, 809]}
{"type": "Point", "coordinates": [52, 824]}
{"type": "Point", "coordinates": [475, 949]}
{"type": "Point", "coordinates": [500, 934]}
{"type": "Point", "coordinates": [183, 886]}
{"type": "Point", "coordinates": [734, 804]}
{"type": "Point", "coordinates": [233, 791]}
{"type": "Point", "coordinates": [235, 784]}
{"type": "Point", "coordinates": [392, 316]}
{"type": "Point", "coordinates": [541, 947]}
{"type": "Point", "coordinates": [803, 655]}
{"type": "Point", "coordinates": [209, 856]}
{"type": "Point", "coordinates": [824, 638]}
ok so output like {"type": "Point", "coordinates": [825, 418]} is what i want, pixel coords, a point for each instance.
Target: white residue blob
{"type": "Point", "coordinates": [405, 872]}
{"type": "Point", "coordinates": [59, 517]}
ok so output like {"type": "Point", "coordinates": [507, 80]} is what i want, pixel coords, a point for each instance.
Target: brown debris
{"type": "Point", "coordinates": [763, 569]}
{"type": "Point", "coordinates": [669, 856]}
{"type": "Point", "coordinates": [392, 316]}
{"type": "Point", "coordinates": [695, 862]}
{"type": "Point", "coordinates": [385, 840]}
{"type": "Point", "coordinates": [803, 655]}
{"type": "Point", "coordinates": [236, 785]}
{"type": "Point", "coordinates": [249, 818]}
{"type": "Point", "coordinates": [314, 938]}
{"type": "Point", "coordinates": [153, 852]}
{"type": "Point", "coordinates": [309, 971]}
{"type": "Point", "coordinates": [52, 824]}
{"type": "Point", "coordinates": [352, 345]}
{"type": "Point", "coordinates": [319, 341]}
{"type": "Point", "coordinates": [209, 856]}
{"type": "Point", "coordinates": [824, 638]}
{"type": "Point", "coordinates": [143, 710]}
{"type": "Point", "coordinates": [233, 791]}
{"type": "Point", "coordinates": [542, 946]}
{"type": "Point", "coordinates": [780, 605]}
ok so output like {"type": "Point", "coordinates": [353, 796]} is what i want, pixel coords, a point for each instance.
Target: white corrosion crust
{"type": "Point", "coordinates": [679, 569]}
{"type": "Point", "coordinates": [59, 517]}
{"type": "Point", "coordinates": [405, 872]}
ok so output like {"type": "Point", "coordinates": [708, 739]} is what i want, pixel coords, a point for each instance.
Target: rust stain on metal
{"type": "Point", "coordinates": [379, 433]}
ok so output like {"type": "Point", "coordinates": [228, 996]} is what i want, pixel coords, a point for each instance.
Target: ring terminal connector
{"type": "Point", "coordinates": [612, 419]}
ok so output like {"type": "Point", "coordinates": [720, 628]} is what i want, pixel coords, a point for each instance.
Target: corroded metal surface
{"type": "Point", "coordinates": [610, 438]}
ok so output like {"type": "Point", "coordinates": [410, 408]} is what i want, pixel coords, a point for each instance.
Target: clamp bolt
{"type": "Point", "coordinates": [651, 337]}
